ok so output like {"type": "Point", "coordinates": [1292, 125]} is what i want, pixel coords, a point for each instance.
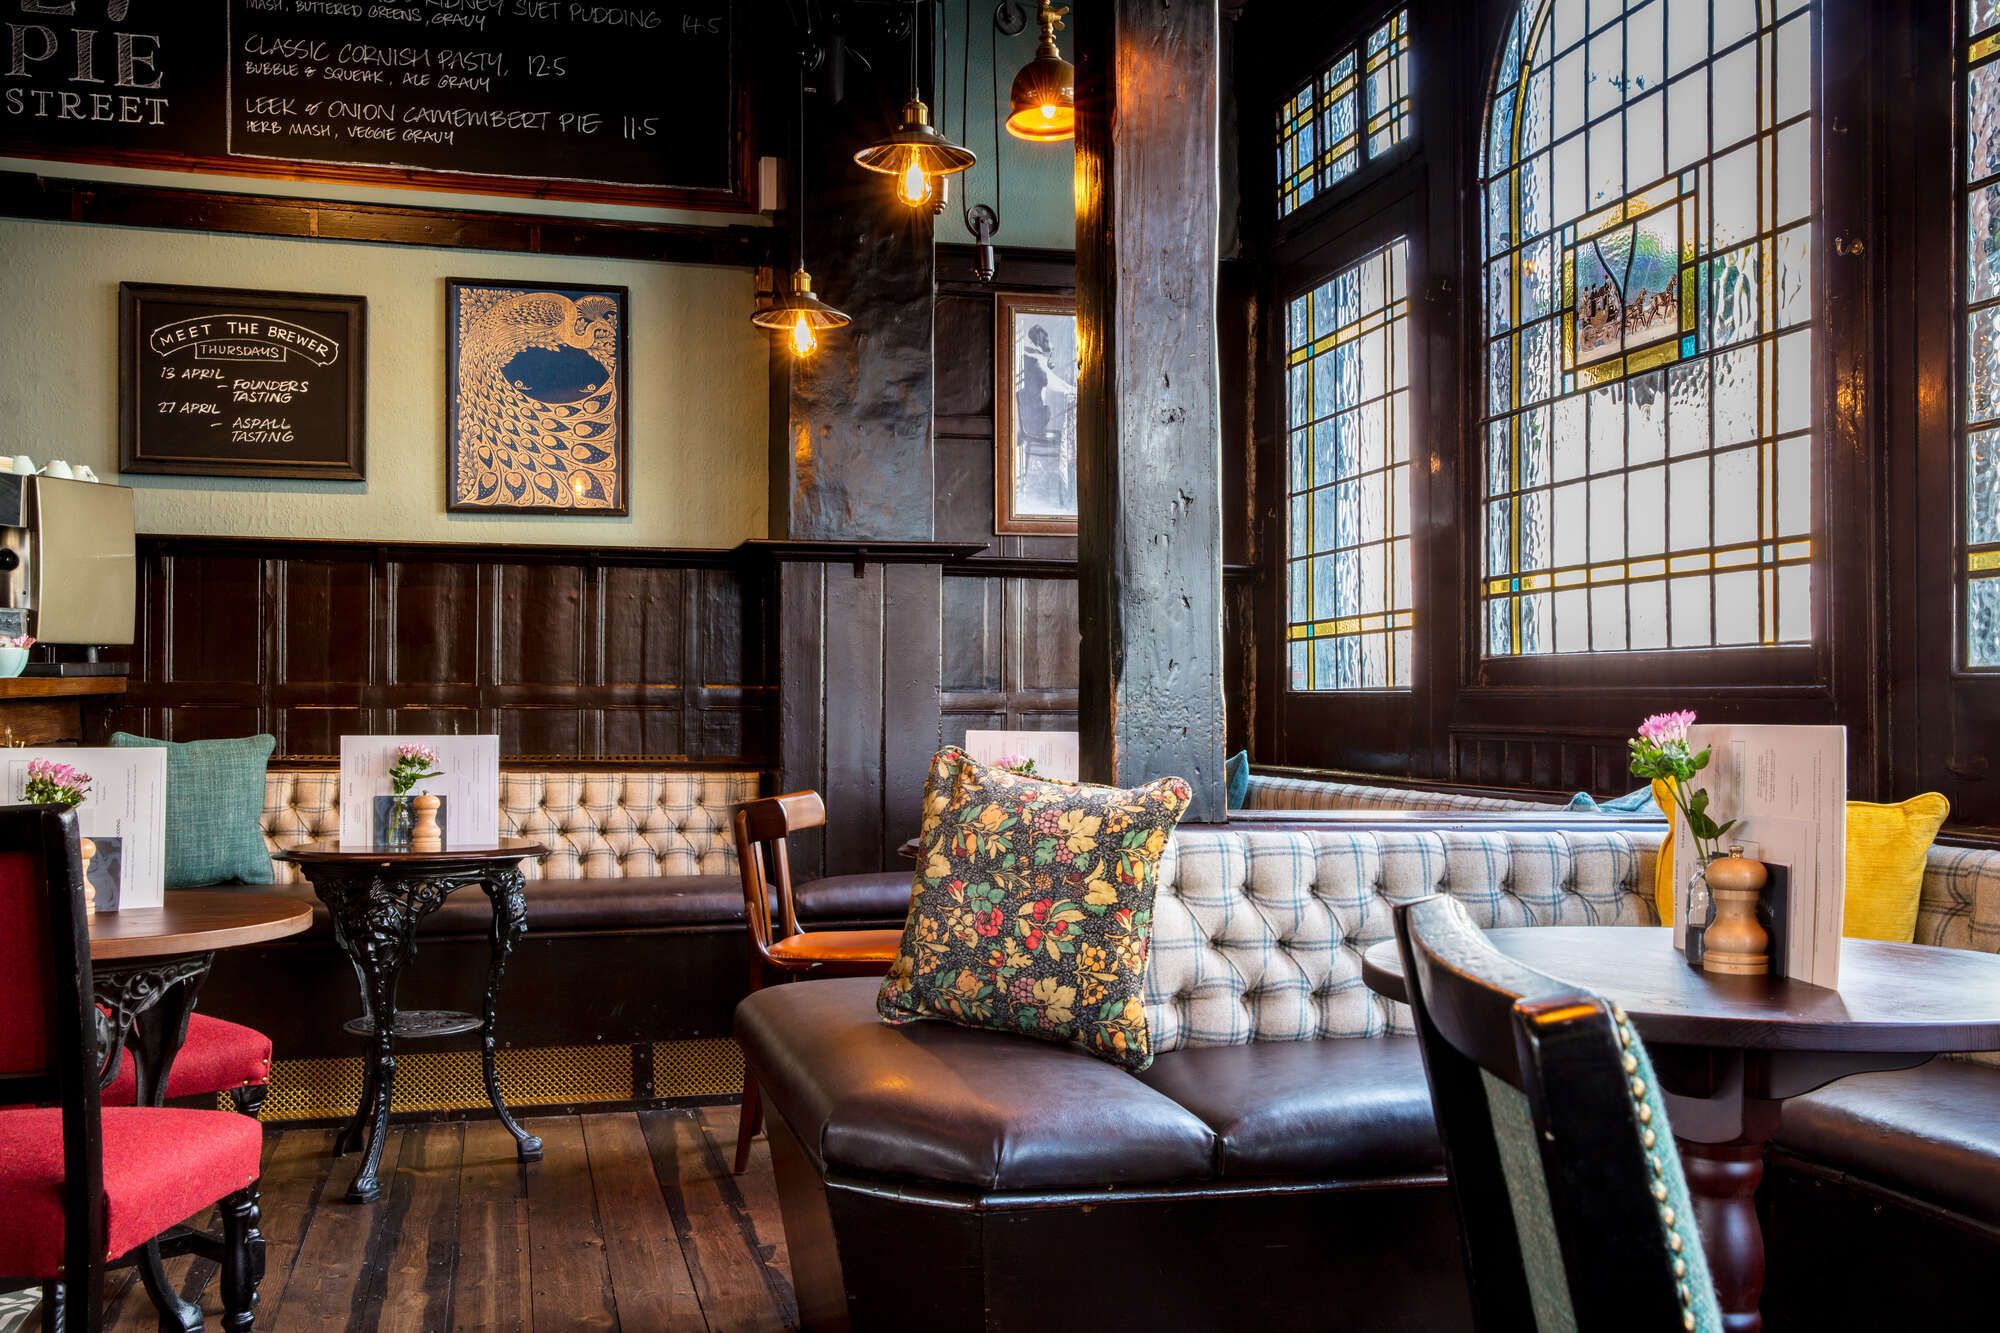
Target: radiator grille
{"type": "Point", "coordinates": [430, 1081]}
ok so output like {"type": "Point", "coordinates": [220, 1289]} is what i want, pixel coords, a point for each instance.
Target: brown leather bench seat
{"type": "Point", "coordinates": [944, 1104]}
{"type": "Point", "coordinates": [1932, 1133]}
{"type": "Point", "coordinates": [1893, 1176]}
{"type": "Point", "coordinates": [652, 902]}
{"type": "Point", "coordinates": [1008, 1170]}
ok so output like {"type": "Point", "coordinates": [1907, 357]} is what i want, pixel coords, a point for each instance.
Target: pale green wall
{"type": "Point", "coordinates": [1037, 205]}
{"type": "Point", "coordinates": [698, 373]}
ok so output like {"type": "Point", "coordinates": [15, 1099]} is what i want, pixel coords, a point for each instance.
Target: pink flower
{"type": "Point", "coordinates": [421, 752]}
{"type": "Point", "coordinates": [1665, 728]}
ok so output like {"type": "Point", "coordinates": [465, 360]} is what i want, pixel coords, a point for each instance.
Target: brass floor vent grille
{"type": "Point", "coordinates": [535, 1076]}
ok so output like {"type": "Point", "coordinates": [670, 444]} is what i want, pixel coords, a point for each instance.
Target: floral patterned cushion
{"type": "Point", "coordinates": [1032, 909]}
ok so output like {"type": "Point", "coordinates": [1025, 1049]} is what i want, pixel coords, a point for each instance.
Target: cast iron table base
{"type": "Point", "coordinates": [376, 902]}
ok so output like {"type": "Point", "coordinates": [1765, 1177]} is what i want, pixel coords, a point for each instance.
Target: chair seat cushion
{"type": "Point", "coordinates": [1932, 1132]}
{"type": "Point", "coordinates": [218, 1056]}
{"type": "Point", "coordinates": [940, 1103]}
{"type": "Point", "coordinates": [161, 1166]}
{"type": "Point", "coordinates": [1355, 1109]}
{"type": "Point", "coordinates": [840, 946]}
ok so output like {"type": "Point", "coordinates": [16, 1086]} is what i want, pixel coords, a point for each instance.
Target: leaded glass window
{"type": "Point", "coordinates": [1648, 298]}
{"type": "Point", "coordinates": [1354, 110]}
{"type": "Point", "coordinates": [1981, 543]}
{"type": "Point", "coordinates": [1347, 404]}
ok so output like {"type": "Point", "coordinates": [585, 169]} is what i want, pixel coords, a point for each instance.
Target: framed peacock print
{"type": "Point", "coordinates": [536, 419]}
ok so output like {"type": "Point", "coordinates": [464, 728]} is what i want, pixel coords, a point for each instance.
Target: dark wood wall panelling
{"type": "Point", "coordinates": [1010, 638]}
{"type": "Point", "coordinates": [565, 653]}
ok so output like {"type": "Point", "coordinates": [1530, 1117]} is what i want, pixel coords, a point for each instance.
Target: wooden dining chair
{"type": "Point", "coordinates": [1573, 1211]}
{"type": "Point", "coordinates": [779, 949]}
{"type": "Point", "coordinates": [82, 1184]}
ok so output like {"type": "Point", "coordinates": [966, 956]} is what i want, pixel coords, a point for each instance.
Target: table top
{"type": "Point", "coordinates": [1892, 997]}
{"type": "Point", "coordinates": [325, 850]}
{"type": "Point", "coordinates": [196, 921]}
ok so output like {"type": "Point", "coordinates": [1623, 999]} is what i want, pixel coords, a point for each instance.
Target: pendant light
{"type": "Point", "coordinates": [916, 153]}
{"type": "Point", "coordinates": [1044, 96]}
{"type": "Point", "coordinates": [799, 312]}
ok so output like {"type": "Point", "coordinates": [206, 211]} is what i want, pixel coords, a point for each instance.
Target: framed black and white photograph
{"type": "Point", "coordinates": [217, 382]}
{"type": "Point", "coordinates": [1034, 415]}
{"type": "Point", "coordinates": [536, 418]}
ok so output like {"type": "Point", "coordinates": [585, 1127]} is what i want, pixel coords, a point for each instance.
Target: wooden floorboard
{"type": "Point", "coordinates": [492, 1289]}
{"type": "Point", "coordinates": [629, 1222]}
{"type": "Point", "coordinates": [650, 1282]}
{"type": "Point", "coordinates": [572, 1283]}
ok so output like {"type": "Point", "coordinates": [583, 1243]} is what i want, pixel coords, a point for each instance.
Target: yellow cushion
{"type": "Point", "coordinates": [1663, 868]}
{"type": "Point", "coordinates": [1886, 847]}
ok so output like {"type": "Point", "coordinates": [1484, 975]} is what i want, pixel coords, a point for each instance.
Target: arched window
{"type": "Point", "coordinates": [1980, 543]}
{"type": "Point", "coordinates": [1648, 408]}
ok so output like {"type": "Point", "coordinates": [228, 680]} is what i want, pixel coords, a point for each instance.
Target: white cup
{"type": "Point", "coordinates": [83, 473]}
{"type": "Point", "coordinates": [23, 466]}
{"type": "Point", "coordinates": [58, 468]}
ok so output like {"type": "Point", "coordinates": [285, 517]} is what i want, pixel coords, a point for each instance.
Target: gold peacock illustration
{"type": "Point", "coordinates": [538, 407]}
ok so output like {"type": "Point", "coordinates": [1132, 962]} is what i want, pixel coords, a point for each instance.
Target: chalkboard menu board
{"type": "Point", "coordinates": [240, 384]}
{"type": "Point", "coordinates": [632, 101]}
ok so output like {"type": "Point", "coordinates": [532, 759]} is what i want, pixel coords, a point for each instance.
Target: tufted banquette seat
{"type": "Point", "coordinates": [1263, 1121]}
{"type": "Point", "coordinates": [662, 836]}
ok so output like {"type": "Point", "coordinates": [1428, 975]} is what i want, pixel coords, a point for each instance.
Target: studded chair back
{"type": "Point", "coordinates": [1572, 1206]}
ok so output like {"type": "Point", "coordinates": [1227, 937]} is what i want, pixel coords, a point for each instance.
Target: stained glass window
{"type": "Point", "coordinates": [1355, 109]}
{"type": "Point", "coordinates": [1347, 391]}
{"type": "Point", "coordinates": [1649, 183]}
{"type": "Point", "coordinates": [1981, 461]}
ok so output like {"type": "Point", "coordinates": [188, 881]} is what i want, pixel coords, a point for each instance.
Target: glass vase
{"type": "Point", "coordinates": [402, 820]}
{"type": "Point", "coordinates": [1700, 911]}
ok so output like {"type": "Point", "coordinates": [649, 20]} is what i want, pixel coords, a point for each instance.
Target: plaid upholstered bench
{"type": "Point", "coordinates": [1277, 1165]}
{"type": "Point", "coordinates": [624, 985]}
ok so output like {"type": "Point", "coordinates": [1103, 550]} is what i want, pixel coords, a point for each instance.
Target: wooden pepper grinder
{"type": "Point", "coordinates": [1735, 943]}
{"type": "Point", "coordinates": [426, 836]}
{"type": "Point", "coordinates": [89, 849]}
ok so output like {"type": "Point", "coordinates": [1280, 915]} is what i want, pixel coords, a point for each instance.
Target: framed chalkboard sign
{"type": "Point", "coordinates": [222, 383]}
{"type": "Point", "coordinates": [636, 101]}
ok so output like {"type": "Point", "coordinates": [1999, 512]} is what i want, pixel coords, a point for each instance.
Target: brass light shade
{"type": "Point", "coordinates": [800, 313]}
{"type": "Point", "coordinates": [1044, 96]}
{"type": "Point", "coordinates": [916, 142]}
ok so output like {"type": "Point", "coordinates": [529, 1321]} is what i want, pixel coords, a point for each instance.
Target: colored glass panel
{"type": "Point", "coordinates": [1980, 456]}
{"type": "Point", "coordinates": [1351, 598]}
{"type": "Point", "coordinates": [1353, 111]}
{"type": "Point", "coordinates": [1649, 324]}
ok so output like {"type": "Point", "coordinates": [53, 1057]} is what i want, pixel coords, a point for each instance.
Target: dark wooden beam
{"type": "Point", "coordinates": [1149, 549]}
{"type": "Point", "coordinates": [115, 204]}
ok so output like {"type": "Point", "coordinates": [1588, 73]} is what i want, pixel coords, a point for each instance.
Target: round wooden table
{"type": "Point", "coordinates": [1729, 1050]}
{"type": "Point", "coordinates": [376, 896]}
{"type": "Point", "coordinates": [147, 965]}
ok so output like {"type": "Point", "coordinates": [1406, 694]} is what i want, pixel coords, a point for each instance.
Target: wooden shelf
{"type": "Point", "coordinates": [59, 687]}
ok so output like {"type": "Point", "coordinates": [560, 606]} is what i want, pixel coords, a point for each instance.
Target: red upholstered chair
{"type": "Point", "coordinates": [82, 1184]}
{"type": "Point", "coordinates": [217, 1056]}
{"type": "Point", "coordinates": [781, 951]}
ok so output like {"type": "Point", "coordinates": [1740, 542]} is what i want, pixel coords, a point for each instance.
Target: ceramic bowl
{"type": "Point", "coordinates": [13, 661]}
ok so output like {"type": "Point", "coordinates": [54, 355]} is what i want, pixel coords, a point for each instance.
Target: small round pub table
{"type": "Point", "coordinates": [376, 895]}
{"type": "Point", "coordinates": [1729, 1050]}
{"type": "Point", "coordinates": [147, 965]}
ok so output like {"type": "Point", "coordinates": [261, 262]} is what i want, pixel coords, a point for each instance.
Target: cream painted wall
{"type": "Point", "coordinates": [698, 380]}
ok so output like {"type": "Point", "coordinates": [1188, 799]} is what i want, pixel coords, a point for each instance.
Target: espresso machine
{"type": "Point", "coordinates": [68, 568]}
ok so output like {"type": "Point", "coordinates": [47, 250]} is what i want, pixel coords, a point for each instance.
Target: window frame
{"type": "Point", "coordinates": [1797, 671]}
{"type": "Point", "coordinates": [1366, 177]}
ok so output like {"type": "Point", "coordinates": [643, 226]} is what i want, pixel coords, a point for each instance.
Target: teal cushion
{"type": "Point", "coordinates": [1638, 802]}
{"type": "Point", "coordinates": [215, 809]}
{"type": "Point", "coordinates": [1236, 779]}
